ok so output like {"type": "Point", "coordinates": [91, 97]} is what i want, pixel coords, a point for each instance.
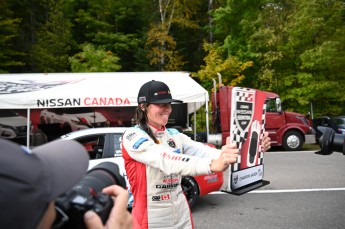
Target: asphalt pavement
{"type": "Point", "coordinates": [305, 191]}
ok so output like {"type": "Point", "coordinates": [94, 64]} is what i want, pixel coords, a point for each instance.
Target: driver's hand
{"type": "Point", "coordinates": [228, 155]}
{"type": "Point", "coordinates": [266, 142]}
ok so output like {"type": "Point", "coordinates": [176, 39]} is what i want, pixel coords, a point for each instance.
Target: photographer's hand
{"type": "Point", "coordinates": [119, 216]}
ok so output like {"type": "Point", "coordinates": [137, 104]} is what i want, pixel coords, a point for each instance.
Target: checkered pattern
{"type": "Point", "coordinates": [239, 137]}
{"type": "Point", "coordinates": [261, 155]}
{"type": "Point", "coordinates": [245, 95]}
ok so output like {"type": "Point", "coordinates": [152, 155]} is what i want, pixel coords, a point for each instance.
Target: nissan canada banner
{"type": "Point", "coordinates": [104, 89]}
{"type": "Point", "coordinates": [247, 126]}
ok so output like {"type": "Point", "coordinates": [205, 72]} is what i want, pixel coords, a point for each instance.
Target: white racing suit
{"type": "Point", "coordinates": [155, 171]}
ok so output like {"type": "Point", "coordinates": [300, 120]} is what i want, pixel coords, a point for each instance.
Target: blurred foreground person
{"type": "Point", "coordinates": [30, 181]}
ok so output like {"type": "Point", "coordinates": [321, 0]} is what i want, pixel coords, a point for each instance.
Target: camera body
{"type": "Point", "coordinates": [87, 195]}
{"type": "Point", "coordinates": [330, 141]}
{"type": "Point", "coordinates": [76, 204]}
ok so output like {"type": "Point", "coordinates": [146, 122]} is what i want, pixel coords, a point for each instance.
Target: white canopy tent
{"type": "Point", "coordinates": [118, 89]}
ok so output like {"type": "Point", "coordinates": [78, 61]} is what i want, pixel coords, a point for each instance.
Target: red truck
{"type": "Point", "coordinates": [287, 129]}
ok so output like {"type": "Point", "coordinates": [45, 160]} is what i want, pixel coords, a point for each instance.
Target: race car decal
{"type": "Point", "coordinates": [211, 178]}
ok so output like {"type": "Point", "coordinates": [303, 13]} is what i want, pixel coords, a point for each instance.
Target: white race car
{"type": "Point", "coordinates": [12, 125]}
{"type": "Point", "coordinates": [104, 144]}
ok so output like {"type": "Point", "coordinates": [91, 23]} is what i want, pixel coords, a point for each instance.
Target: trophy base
{"type": "Point", "coordinates": [247, 188]}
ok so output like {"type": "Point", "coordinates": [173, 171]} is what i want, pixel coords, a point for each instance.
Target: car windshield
{"type": "Point", "coordinates": [7, 113]}
{"type": "Point", "coordinates": [339, 121]}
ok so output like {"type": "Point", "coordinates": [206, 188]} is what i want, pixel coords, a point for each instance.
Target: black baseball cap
{"type": "Point", "coordinates": [30, 180]}
{"type": "Point", "coordinates": [155, 92]}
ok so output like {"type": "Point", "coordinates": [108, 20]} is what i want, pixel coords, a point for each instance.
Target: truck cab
{"type": "Point", "coordinates": [287, 129]}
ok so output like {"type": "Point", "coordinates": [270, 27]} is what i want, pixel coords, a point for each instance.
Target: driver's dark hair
{"type": "Point", "coordinates": [141, 120]}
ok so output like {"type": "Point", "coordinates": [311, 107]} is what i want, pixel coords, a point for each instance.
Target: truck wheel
{"type": "Point", "coordinates": [292, 141]}
{"type": "Point", "coordinates": [190, 189]}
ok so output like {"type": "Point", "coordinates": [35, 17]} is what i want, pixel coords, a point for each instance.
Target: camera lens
{"type": "Point", "coordinates": [99, 177]}
{"type": "Point", "coordinates": [86, 195]}
{"type": "Point", "coordinates": [331, 141]}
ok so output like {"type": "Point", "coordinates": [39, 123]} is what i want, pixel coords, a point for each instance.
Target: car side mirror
{"type": "Point", "coordinates": [278, 105]}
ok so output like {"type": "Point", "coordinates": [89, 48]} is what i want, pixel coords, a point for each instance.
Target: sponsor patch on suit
{"type": "Point", "coordinates": [139, 142]}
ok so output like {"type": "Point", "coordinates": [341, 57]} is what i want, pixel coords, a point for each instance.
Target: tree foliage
{"type": "Point", "coordinates": [116, 26]}
{"type": "Point", "coordinates": [9, 29]}
{"type": "Point", "coordinates": [297, 48]}
{"type": "Point", "coordinates": [92, 60]}
{"type": "Point", "coordinates": [52, 49]}
{"type": "Point", "coordinates": [231, 68]}
{"type": "Point", "coordinates": [292, 47]}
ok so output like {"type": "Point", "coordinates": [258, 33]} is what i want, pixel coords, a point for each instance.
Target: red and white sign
{"type": "Point", "coordinates": [247, 126]}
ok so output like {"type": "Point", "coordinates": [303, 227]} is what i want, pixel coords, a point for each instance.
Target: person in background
{"type": "Point", "coordinates": [156, 158]}
{"type": "Point", "coordinates": [120, 123]}
{"type": "Point", "coordinates": [30, 181]}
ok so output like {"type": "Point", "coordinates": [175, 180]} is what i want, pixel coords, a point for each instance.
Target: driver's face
{"type": "Point", "coordinates": [158, 114]}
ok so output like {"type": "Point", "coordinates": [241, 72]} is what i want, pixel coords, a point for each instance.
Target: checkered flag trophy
{"type": "Point", "coordinates": [246, 130]}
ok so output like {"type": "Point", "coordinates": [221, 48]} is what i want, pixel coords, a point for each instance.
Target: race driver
{"type": "Point", "coordinates": [156, 158]}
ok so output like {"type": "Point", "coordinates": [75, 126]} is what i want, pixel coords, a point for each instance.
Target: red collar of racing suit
{"type": "Point", "coordinates": [158, 133]}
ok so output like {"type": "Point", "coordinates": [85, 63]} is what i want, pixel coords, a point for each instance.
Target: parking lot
{"type": "Point", "coordinates": [305, 191]}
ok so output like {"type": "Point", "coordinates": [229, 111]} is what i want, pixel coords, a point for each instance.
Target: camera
{"type": "Point", "coordinates": [86, 195]}
{"type": "Point", "coordinates": [330, 141]}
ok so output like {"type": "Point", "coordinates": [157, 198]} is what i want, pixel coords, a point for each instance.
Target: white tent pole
{"type": "Point", "coordinates": [28, 128]}
{"type": "Point", "coordinates": [194, 121]}
{"type": "Point", "coordinates": [207, 124]}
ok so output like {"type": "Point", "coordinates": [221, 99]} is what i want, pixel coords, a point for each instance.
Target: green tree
{"type": "Point", "coordinates": [117, 26]}
{"type": "Point", "coordinates": [161, 48]}
{"type": "Point", "coordinates": [32, 15]}
{"type": "Point", "coordinates": [176, 35]}
{"type": "Point", "coordinates": [230, 68]}
{"type": "Point", "coordinates": [300, 44]}
{"type": "Point", "coordinates": [319, 55]}
{"type": "Point", "coordinates": [266, 43]}
{"type": "Point", "coordinates": [9, 29]}
{"type": "Point", "coordinates": [297, 48]}
{"type": "Point", "coordinates": [92, 60]}
{"type": "Point", "coordinates": [51, 51]}
{"type": "Point", "coordinates": [160, 45]}
{"type": "Point", "coordinates": [234, 25]}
